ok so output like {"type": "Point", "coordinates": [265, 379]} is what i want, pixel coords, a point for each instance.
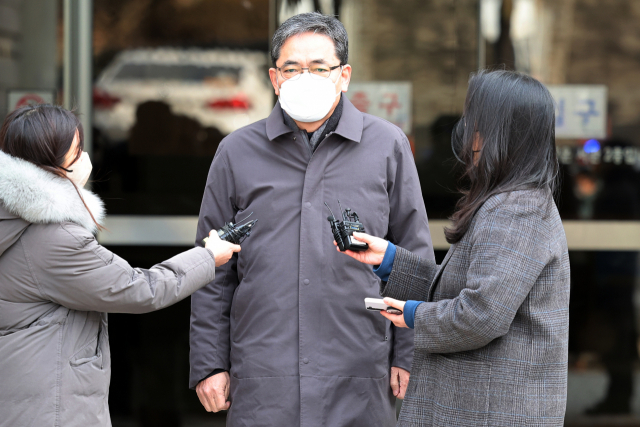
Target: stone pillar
{"type": "Point", "coordinates": [10, 32]}
{"type": "Point", "coordinates": [39, 50]}
{"type": "Point", "coordinates": [431, 44]}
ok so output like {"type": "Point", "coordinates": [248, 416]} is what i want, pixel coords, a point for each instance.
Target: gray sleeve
{"type": "Point", "coordinates": [509, 252]}
{"type": "Point", "coordinates": [78, 273]}
{"type": "Point", "coordinates": [408, 227]}
{"type": "Point", "coordinates": [410, 277]}
{"type": "Point", "coordinates": [209, 337]}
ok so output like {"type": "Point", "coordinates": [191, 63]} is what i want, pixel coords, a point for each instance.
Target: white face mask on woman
{"type": "Point", "coordinates": [307, 99]}
{"type": "Point", "coordinates": [80, 170]}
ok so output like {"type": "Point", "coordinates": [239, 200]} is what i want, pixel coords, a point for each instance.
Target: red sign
{"type": "Point", "coordinates": [391, 102]}
{"type": "Point", "coordinates": [30, 99]}
{"type": "Point", "coordinates": [361, 101]}
{"type": "Point", "coordinates": [20, 97]}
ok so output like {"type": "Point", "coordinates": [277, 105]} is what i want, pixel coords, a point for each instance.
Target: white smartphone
{"type": "Point", "coordinates": [377, 304]}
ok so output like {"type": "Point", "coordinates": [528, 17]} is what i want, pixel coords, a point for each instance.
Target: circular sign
{"type": "Point", "coordinates": [30, 99]}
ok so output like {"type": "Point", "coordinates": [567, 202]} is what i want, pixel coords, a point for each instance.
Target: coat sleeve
{"type": "Point", "coordinates": [510, 249]}
{"type": "Point", "coordinates": [209, 337]}
{"type": "Point", "coordinates": [410, 278]}
{"type": "Point", "coordinates": [408, 227]}
{"type": "Point", "coordinates": [78, 273]}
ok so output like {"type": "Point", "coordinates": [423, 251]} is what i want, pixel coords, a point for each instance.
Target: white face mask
{"type": "Point", "coordinates": [307, 99]}
{"type": "Point", "coordinates": [80, 170]}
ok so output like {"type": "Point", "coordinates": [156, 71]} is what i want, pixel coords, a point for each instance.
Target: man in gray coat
{"type": "Point", "coordinates": [282, 337]}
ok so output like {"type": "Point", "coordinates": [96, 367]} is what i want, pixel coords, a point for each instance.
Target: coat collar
{"type": "Point", "coordinates": [350, 125]}
{"type": "Point", "coordinates": [40, 197]}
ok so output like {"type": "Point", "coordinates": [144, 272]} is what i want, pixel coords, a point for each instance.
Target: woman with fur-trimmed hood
{"type": "Point", "coordinates": [57, 283]}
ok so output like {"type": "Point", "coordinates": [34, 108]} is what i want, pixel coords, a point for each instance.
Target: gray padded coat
{"type": "Point", "coordinates": [56, 286]}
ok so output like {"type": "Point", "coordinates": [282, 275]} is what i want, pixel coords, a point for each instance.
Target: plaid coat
{"type": "Point", "coordinates": [491, 338]}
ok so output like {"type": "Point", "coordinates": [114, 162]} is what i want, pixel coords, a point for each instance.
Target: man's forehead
{"type": "Point", "coordinates": [308, 47]}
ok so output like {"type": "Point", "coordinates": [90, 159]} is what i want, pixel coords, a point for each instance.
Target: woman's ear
{"type": "Point", "coordinates": [477, 141]}
{"type": "Point", "coordinates": [476, 147]}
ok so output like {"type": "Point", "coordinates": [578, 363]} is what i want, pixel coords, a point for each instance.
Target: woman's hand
{"type": "Point", "coordinates": [397, 319]}
{"type": "Point", "coordinates": [373, 255]}
{"type": "Point", "coordinates": [222, 250]}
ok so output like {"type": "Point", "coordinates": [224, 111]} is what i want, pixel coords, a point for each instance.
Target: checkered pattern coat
{"type": "Point", "coordinates": [491, 338]}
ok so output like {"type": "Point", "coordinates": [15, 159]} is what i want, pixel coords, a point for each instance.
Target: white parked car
{"type": "Point", "coordinates": [225, 89]}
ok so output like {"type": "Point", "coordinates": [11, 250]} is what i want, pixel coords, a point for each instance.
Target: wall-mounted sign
{"type": "Point", "coordinates": [581, 110]}
{"type": "Point", "coordinates": [585, 155]}
{"type": "Point", "coordinates": [19, 98]}
{"type": "Point", "coordinates": [388, 100]}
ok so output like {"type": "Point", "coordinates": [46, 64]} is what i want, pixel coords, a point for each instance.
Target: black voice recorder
{"type": "Point", "coordinates": [343, 230]}
{"type": "Point", "coordinates": [235, 233]}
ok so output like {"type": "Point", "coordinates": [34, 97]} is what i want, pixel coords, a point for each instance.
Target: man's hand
{"type": "Point", "coordinates": [214, 391]}
{"type": "Point", "coordinates": [399, 381]}
{"type": "Point", "coordinates": [374, 255]}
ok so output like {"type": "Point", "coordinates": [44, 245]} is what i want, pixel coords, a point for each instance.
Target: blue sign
{"type": "Point", "coordinates": [581, 111]}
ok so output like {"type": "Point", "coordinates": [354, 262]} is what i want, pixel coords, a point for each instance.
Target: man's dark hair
{"type": "Point", "coordinates": [312, 23]}
{"type": "Point", "coordinates": [513, 115]}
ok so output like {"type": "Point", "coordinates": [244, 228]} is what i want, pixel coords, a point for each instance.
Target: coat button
{"type": "Point", "coordinates": [305, 360]}
{"type": "Point", "coordinates": [305, 281]}
{"type": "Point", "coordinates": [294, 138]}
{"type": "Point", "coordinates": [308, 204]}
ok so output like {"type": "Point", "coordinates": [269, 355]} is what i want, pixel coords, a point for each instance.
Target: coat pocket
{"type": "Point", "coordinates": [89, 353]}
{"type": "Point", "coordinates": [85, 360]}
{"type": "Point", "coordinates": [87, 374]}
{"type": "Point", "coordinates": [461, 393]}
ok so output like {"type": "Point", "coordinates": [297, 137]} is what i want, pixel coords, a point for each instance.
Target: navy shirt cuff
{"type": "Point", "coordinates": [410, 312]}
{"type": "Point", "coordinates": [384, 269]}
{"type": "Point", "coordinates": [214, 372]}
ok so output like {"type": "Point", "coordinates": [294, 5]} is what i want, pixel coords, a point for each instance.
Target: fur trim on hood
{"type": "Point", "coordinates": [40, 197]}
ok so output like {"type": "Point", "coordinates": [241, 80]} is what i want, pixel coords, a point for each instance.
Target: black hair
{"type": "Point", "coordinates": [43, 135]}
{"type": "Point", "coordinates": [512, 116]}
{"type": "Point", "coordinates": [313, 22]}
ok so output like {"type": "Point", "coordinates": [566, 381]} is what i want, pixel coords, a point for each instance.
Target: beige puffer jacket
{"type": "Point", "coordinates": [56, 285]}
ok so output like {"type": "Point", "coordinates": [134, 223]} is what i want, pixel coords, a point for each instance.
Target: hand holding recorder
{"type": "Point", "coordinates": [222, 250]}
{"type": "Point", "coordinates": [375, 252]}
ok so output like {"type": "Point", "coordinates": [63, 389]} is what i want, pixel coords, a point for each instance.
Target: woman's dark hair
{"type": "Point", "coordinates": [43, 134]}
{"type": "Point", "coordinates": [512, 116]}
